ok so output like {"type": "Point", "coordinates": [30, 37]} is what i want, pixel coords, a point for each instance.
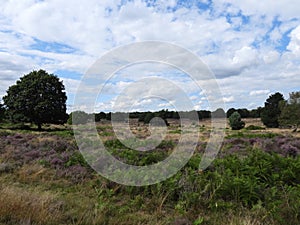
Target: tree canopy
{"type": "Point", "coordinates": [290, 111]}
{"type": "Point", "coordinates": [37, 97]}
{"type": "Point", "coordinates": [235, 121]}
{"type": "Point", "coordinates": [79, 117]}
{"type": "Point", "coordinates": [271, 111]}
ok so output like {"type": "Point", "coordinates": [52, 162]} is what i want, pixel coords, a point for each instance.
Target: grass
{"type": "Point", "coordinates": [20, 205]}
{"type": "Point", "coordinates": [242, 134]}
{"type": "Point", "coordinates": [45, 180]}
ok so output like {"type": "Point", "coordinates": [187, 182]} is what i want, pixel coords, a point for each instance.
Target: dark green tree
{"type": "Point", "coordinates": [148, 117]}
{"type": "Point", "coordinates": [100, 116]}
{"type": "Point", "coordinates": [204, 114]}
{"type": "Point", "coordinates": [255, 113]}
{"type": "Point", "coordinates": [290, 111]}
{"type": "Point", "coordinates": [79, 117]}
{"type": "Point", "coordinates": [2, 112]}
{"type": "Point", "coordinates": [230, 111]}
{"type": "Point", "coordinates": [244, 113]}
{"type": "Point", "coordinates": [271, 111]}
{"type": "Point", "coordinates": [235, 121]}
{"type": "Point", "coordinates": [37, 97]}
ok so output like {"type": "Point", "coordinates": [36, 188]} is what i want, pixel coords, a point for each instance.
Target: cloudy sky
{"type": "Point", "coordinates": [251, 46]}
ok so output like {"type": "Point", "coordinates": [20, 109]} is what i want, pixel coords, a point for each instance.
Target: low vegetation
{"type": "Point", "coordinates": [254, 180]}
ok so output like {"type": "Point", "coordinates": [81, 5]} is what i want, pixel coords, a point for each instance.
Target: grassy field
{"type": "Point", "coordinates": [254, 180]}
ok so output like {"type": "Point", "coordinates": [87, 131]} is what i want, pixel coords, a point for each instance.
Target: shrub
{"type": "Point", "coordinates": [235, 121]}
{"type": "Point", "coordinates": [254, 127]}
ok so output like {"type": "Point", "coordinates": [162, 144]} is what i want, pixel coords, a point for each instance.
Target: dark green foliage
{"type": "Point", "coordinates": [108, 116]}
{"type": "Point", "coordinates": [230, 111]}
{"type": "Point", "coordinates": [79, 117]}
{"type": "Point", "coordinates": [255, 113]}
{"type": "Point", "coordinates": [245, 113]}
{"type": "Point", "coordinates": [235, 121]}
{"type": "Point", "coordinates": [140, 158]}
{"type": "Point", "coordinates": [204, 114]}
{"type": "Point", "coordinates": [37, 97]}
{"type": "Point", "coordinates": [290, 115]}
{"type": "Point", "coordinates": [2, 112]}
{"type": "Point", "coordinates": [149, 116]}
{"type": "Point", "coordinates": [146, 117]}
{"type": "Point", "coordinates": [253, 127]}
{"type": "Point", "coordinates": [100, 116]}
{"type": "Point", "coordinates": [290, 111]}
{"type": "Point", "coordinates": [271, 111]}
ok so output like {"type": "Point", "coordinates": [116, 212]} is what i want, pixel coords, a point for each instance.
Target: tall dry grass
{"type": "Point", "coordinates": [20, 206]}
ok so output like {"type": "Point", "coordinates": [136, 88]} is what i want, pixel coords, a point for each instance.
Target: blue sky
{"type": "Point", "coordinates": [252, 47]}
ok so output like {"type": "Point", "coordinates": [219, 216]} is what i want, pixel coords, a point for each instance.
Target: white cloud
{"type": "Point", "coordinates": [229, 99]}
{"type": "Point", "coordinates": [285, 8]}
{"type": "Point", "coordinates": [243, 49]}
{"type": "Point", "coordinates": [259, 92]}
{"type": "Point", "coordinates": [245, 56]}
{"type": "Point", "coordinates": [271, 57]}
{"type": "Point", "coordinates": [294, 45]}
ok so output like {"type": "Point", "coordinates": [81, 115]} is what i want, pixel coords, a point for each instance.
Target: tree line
{"type": "Point", "coordinates": [39, 98]}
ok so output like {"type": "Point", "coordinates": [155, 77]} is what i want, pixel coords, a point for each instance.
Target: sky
{"type": "Point", "coordinates": [252, 47]}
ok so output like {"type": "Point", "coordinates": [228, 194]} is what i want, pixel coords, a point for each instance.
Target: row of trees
{"type": "Point", "coordinates": [39, 98]}
{"type": "Point", "coordinates": [277, 112]}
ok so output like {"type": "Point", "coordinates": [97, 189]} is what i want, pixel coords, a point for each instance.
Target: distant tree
{"type": "Point", "coordinates": [255, 113]}
{"type": "Point", "coordinates": [37, 97]}
{"type": "Point", "coordinates": [79, 117]}
{"type": "Point", "coordinates": [271, 111]}
{"type": "Point", "coordinates": [100, 116]}
{"type": "Point", "coordinates": [148, 117]}
{"type": "Point", "coordinates": [219, 113]}
{"type": "Point", "coordinates": [230, 111]}
{"type": "Point", "coordinates": [2, 112]}
{"type": "Point", "coordinates": [244, 113]}
{"type": "Point", "coordinates": [175, 115]}
{"type": "Point", "coordinates": [108, 116]}
{"type": "Point", "coordinates": [235, 121]}
{"type": "Point", "coordinates": [294, 97]}
{"type": "Point", "coordinates": [204, 114]}
{"type": "Point", "coordinates": [290, 111]}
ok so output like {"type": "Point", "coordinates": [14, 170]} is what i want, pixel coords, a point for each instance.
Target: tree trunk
{"type": "Point", "coordinates": [39, 126]}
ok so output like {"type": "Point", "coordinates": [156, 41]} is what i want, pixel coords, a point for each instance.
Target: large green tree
{"type": "Point", "coordinates": [37, 97]}
{"type": "Point", "coordinates": [271, 111]}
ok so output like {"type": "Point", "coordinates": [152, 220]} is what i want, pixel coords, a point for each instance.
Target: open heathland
{"type": "Point", "coordinates": [255, 179]}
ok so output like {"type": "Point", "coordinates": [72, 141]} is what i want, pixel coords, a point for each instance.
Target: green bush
{"type": "Point", "coordinates": [254, 127]}
{"type": "Point", "coordinates": [235, 121]}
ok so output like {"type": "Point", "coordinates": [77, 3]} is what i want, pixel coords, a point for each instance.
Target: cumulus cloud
{"type": "Point", "coordinates": [294, 45]}
{"type": "Point", "coordinates": [251, 46]}
{"type": "Point", "coordinates": [229, 99]}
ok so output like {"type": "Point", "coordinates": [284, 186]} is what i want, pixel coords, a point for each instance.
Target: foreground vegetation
{"type": "Point", "coordinates": [45, 180]}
